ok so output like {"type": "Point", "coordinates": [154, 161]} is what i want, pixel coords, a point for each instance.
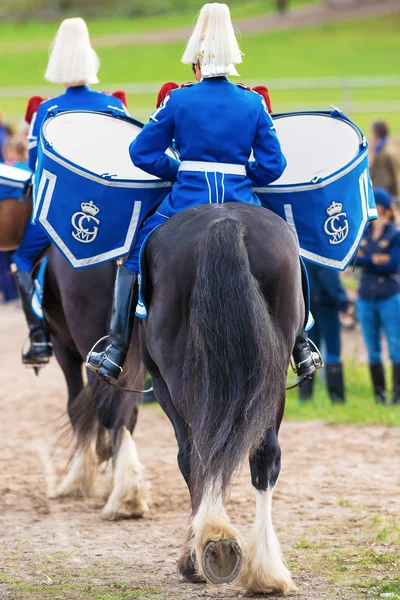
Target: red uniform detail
{"type": "Point", "coordinates": [32, 107]}
{"type": "Point", "coordinates": [263, 91]}
{"type": "Point", "coordinates": [164, 91]}
{"type": "Point", "coordinates": [121, 95]}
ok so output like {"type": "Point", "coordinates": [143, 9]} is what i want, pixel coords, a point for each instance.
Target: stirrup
{"type": "Point", "coordinates": [89, 355]}
{"type": "Point", "coordinates": [315, 356]}
{"type": "Point", "coordinates": [36, 362]}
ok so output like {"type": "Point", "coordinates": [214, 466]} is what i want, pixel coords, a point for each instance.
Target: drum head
{"type": "Point", "coordinates": [315, 146]}
{"type": "Point", "coordinates": [14, 173]}
{"type": "Point", "coordinates": [99, 143]}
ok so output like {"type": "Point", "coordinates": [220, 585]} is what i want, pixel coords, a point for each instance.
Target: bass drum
{"type": "Point", "coordinates": [325, 192]}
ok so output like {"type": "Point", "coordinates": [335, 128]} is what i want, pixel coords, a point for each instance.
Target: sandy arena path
{"type": "Point", "coordinates": [339, 490]}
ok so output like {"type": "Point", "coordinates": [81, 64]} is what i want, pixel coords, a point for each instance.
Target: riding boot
{"type": "Point", "coordinates": [306, 390]}
{"type": "Point", "coordinates": [378, 381]}
{"type": "Point", "coordinates": [109, 363]}
{"type": "Point", "coordinates": [306, 362]}
{"type": "Point", "coordinates": [396, 384]}
{"type": "Point", "coordinates": [40, 349]}
{"type": "Point", "coordinates": [334, 380]}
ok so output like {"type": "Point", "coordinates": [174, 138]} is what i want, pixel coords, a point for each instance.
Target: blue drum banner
{"type": "Point", "coordinates": [90, 218]}
{"type": "Point", "coordinates": [13, 181]}
{"type": "Point", "coordinates": [329, 215]}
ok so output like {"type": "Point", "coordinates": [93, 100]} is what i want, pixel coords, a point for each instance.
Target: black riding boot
{"type": "Point", "coordinates": [306, 362]}
{"type": "Point", "coordinates": [378, 381]}
{"type": "Point", "coordinates": [306, 390]}
{"type": "Point", "coordinates": [109, 364]}
{"type": "Point", "coordinates": [334, 380]}
{"type": "Point", "coordinates": [40, 349]}
{"type": "Point", "coordinates": [396, 384]}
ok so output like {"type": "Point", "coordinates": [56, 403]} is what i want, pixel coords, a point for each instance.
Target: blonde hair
{"type": "Point", "coordinates": [213, 42]}
{"type": "Point", "coordinates": [18, 144]}
{"type": "Point", "coordinates": [72, 59]}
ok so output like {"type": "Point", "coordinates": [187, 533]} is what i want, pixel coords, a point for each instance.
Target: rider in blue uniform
{"type": "Point", "coordinates": [215, 125]}
{"type": "Point", "coordinates": [74, 63]}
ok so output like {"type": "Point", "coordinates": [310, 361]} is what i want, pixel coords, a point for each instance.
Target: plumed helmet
{"type": "Point", "coordinates": [213, 42]}
{"type": "Point", "coordinates": [72, 59]}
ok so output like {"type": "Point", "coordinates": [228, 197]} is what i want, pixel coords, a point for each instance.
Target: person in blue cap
{"type": "Point", "coordinates": [73, 63]}
{"type": "Point", "coordinates": [215, 125]}
{"type": "Point", "coordinates": [378, 305]}
{"type": "Point", "coordinates": [328, 298]}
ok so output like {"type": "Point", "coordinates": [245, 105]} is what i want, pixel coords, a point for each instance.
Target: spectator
{"type": "Point", "coordinates": [384, 160]}
{"type": "Point", "coordinates": [327, 298]}
{"type": "Point", "coordinates": [5, 132]}
{"type": "Point", "coordinates": [282, 6]}
{"type": "Point", "coordinates": [15, 151]}
{"type": "Point", "coordinates": [379, 293]}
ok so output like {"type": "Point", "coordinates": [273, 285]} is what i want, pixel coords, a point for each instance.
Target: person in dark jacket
{"type": "Point", "coordinates": [327, 298]}
{"type": "Point", "coordinates": [384, 159]}
{"type": "Point", "coordinates": [379, 293]}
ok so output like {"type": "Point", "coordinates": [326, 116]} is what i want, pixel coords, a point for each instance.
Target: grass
{"type": "Point", "coordinates": [362, 566]}
{"type": "Point", "coordinates": [340, 50]}
{"type": "Point", "coordinates": [360, 408]}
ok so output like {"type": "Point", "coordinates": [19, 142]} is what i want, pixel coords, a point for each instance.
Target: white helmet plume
{"type": "Point", "coordinates": [72, 59]}
{"type": "Point", "coordinates": [213, 42]}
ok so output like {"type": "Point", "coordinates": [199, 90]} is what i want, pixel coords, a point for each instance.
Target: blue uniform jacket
{"type": "Point", "coordinates": [212, 121]}
{"type": "Point", "coordinates": [326, 289]}
{"type": "Point", "coordinates": [74, 98]}
{"type": "Point", "coordinates": [380, 281]}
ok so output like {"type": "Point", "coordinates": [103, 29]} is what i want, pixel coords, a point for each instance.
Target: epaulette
{"type": "Point", "coordinates": [167, 88]}
{"type": "Point", "coordinates": [121, 95]}
{"type": "Point", "coordinates": [32, 107]}
{"type": "Point", "coordinates": [262, 90]}
{"type": "Point", "coordinates": [164, 91]}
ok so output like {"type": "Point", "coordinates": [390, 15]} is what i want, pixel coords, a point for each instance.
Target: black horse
{"type": "Point", "coordinates": [223, 287]}
{"type": "Point", "coordinates": [77, 307]}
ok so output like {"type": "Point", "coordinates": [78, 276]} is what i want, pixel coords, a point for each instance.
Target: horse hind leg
{"type": "Point", "coordinates": [216, 543]}
{"type": "Point", "coordinates": [265, 570]}
{"type": "Point", "coordinates": [79, 480]}
{"type": "Point", "coordinates": [129, 496]}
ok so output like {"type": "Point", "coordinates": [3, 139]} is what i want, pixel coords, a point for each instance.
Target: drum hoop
{"type": "Point", "coordinates": [82, 172]}
{"type": "Point", "coordinates": [307, 187]}
{"type": "Point", "coordinates": [321, 113]}
{"type": "Point", "coordinates": [12, 183]}
{"type": "Point", "coordinates": [50, 151]}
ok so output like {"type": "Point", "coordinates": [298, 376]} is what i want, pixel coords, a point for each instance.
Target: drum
{"type": "Point", "coordinates": [13, 181]}
{"type": "Point", "coordinates": [89, 196]}
{"type": "Point", "coordinates": [325, 192]}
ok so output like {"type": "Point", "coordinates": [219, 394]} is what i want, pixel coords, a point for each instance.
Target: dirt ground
{"type": "Point", "coordinates": [335, 508]}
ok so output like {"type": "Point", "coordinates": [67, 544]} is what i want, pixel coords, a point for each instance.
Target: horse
{"type": "Point", "coordinates": [77, 306]}
{"type": "Point", "coordinates": [14, 216]}
{"type": "Point", "coordinates": [222, 283]}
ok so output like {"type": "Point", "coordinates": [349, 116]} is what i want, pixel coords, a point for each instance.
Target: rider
{"type": "Point", "coordinates": [75, 64]}
{"type": "Point", "coordinates": [215, 125]}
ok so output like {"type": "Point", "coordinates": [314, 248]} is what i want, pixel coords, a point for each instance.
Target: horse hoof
{"type": "Point", "coordinates": [187, 569]}
{"type": "Point", "coordinates": [222, 561]}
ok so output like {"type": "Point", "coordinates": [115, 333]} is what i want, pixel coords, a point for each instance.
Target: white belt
{"type": "Point", "coordinates": [212, 167]}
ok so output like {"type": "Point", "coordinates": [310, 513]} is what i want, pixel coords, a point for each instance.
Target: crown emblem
{"type": "Point", "coordinates": [90, 208]}
{"type": "Point", "coordinates": [334, 209]}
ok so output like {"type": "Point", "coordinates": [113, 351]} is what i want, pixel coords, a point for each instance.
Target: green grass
{"type": "Point", "coordinates": [339, 50]}
{"type": "Point", "coordinates": [360, 408]}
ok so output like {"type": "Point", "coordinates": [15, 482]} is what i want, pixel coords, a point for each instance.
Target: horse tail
{"type": "Point", "coordinates": [233, 376]}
